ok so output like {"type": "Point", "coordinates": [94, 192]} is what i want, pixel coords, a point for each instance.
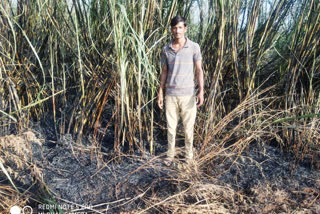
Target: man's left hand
{"type": "Point", "coordinates": [200, 99]}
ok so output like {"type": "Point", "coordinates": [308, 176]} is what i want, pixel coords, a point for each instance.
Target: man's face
{"type": "Point", "coordinates": [179, 30]}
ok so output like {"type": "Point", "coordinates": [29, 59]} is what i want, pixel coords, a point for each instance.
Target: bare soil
{"type": "Point", "coordinates": [261, 180]}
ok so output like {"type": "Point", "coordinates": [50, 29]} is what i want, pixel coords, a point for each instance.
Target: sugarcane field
{"type": "Point", "coordinates": [160, 106]}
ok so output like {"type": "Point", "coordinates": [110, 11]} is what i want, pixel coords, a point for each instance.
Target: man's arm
{"type": "Point", "coordinates": [163, 79]}
{"type": "Point", "coordinates": [200, 79]}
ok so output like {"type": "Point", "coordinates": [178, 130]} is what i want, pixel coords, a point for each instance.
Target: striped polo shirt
{"type": "Point", "coordinates": [180, 65]}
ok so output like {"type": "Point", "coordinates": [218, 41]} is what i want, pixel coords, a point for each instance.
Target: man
{"type": "Point", "coordinates": [178, 60]}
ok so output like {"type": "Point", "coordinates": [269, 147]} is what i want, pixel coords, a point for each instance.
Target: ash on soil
{"type": "Point", "coordinates": [75, 176]}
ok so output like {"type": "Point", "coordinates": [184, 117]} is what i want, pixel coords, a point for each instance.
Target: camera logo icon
{"type": "Point", "coordinates": [17, 210]}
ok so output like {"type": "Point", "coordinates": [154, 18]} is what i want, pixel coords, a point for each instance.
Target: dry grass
{"type": "Point", "coordinates": [17, 167]}
{"type": "Point", "coordinates": [100, 69]}
{"type": "Point", "coordinates": [9, 197]}
{"type": "Point", "coordinates": [183, 188]}
{"type": "Point", "coordinates": [16, 154]}
{"type": "Point", "coordinates": [189, 189]}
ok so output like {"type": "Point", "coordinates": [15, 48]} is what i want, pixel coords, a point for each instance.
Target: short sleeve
{"type": "Point", "coordinates": [163, 58]}
{"type": "Point", "coordinates": [196, 53]}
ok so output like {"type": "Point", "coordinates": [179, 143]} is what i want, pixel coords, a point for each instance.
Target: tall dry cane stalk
{"type": "Point", "coordinates": [9, 65]}
{"type": "Point", "coordinates": [119, 38]}
{"type": "Point", "coordinates": [250, 44]}
{"type": "Point", "coordinates": [110, 58]}
{"type": "Point", "coordinates": [141, 79]}
{"type": "Point", "coordinates": [213, 91]}
{"type": "Point", "coordinates": [300, 95]}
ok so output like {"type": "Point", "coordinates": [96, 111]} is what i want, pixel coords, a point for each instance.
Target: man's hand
{"type": "Point", "coordinates": [200, 99]}
{"type": "Point", "coordinates": [160, 99]}
{"type": "Point", "coordinates": [163, 79]}
{"type": "Point", "coordinates": [200, 79]}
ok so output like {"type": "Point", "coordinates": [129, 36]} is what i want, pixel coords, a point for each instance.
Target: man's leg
{"type": "Point", "coordinates": [188, 114]}
{"type": "Point", "coordinates": [172, 115]}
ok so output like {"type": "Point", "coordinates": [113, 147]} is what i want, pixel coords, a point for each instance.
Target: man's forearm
{"type": "Point", "coordinates": [163, 78]}
{"type": "Point", "coordinates": [200, 79]}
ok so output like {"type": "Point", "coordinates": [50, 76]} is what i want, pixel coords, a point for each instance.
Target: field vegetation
{"type": "Point", "coordinates": [90, 69]}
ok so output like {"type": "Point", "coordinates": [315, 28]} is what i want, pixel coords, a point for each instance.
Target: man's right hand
{"type": "Point", "coordinates": [160, 99]}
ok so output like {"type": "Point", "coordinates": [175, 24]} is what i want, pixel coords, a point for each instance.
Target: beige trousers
{"type": "Point", "coordinates": [185, 106]}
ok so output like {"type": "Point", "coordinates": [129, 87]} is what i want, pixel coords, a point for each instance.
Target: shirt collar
{"type": "Point", "coordinates": [185, 45]}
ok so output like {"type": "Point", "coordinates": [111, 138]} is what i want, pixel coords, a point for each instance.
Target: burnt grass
{"type": "Point", "coordinates": [261, 180]}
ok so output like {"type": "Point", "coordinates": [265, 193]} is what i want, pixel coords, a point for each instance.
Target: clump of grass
{"type": "Point", "coordinates": [239, 128]}
{"type": "Point", "coordinates": [16, 158]}
{"type": "Point", "coordinates": [15, 161]}
{"type": "Point", "coordinates": [9, 197]}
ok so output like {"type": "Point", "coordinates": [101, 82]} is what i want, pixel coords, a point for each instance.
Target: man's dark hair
{"type": "Point", "coordinates": [175, 20]}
